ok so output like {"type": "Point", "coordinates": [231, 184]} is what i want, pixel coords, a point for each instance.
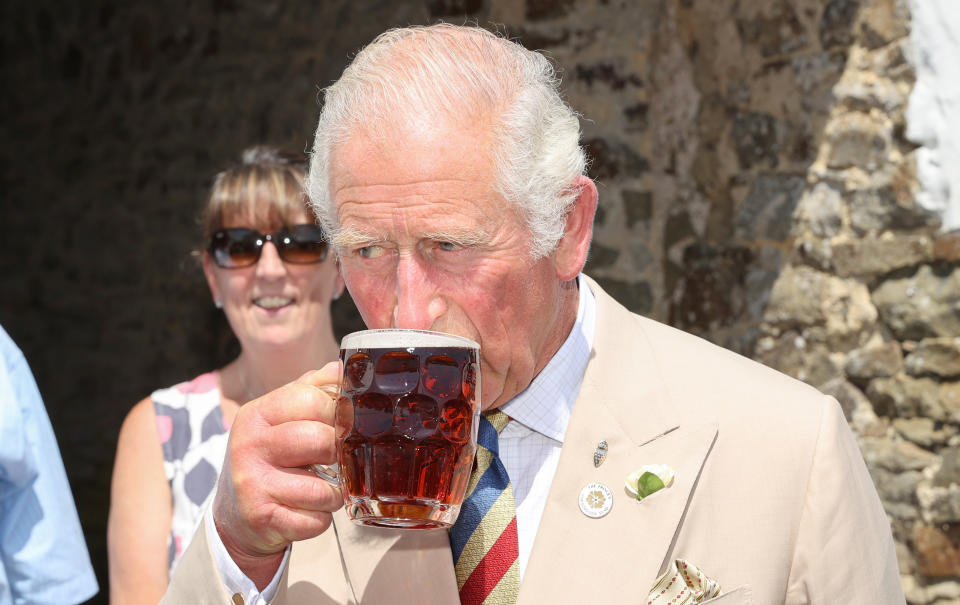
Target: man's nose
{"type": "Point", "coordinates": [418, 305]}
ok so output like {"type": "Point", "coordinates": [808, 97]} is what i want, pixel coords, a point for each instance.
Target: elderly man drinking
{"type": "Point", "coordinates": [448, 172]}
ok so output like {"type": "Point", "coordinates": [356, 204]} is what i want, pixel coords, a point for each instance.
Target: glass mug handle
{"type": "Point", "coordinates": [329, 473]}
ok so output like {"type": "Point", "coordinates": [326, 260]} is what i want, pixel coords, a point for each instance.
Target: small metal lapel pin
{"type": "Point", "coordinates": [600, 453]}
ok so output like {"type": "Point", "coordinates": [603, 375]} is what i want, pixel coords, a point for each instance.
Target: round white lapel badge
{"type": "Point", "coordinates": [596, 500]}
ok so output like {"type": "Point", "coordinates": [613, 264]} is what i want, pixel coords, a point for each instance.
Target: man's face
{"type": "Point", "coordinates": [429, 244]}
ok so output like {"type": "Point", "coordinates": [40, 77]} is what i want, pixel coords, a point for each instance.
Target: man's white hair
{"type": "Point", "coordinates": [473, 76]}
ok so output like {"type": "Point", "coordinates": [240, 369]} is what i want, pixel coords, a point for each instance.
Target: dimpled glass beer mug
{"type": "Point", "coordinates": [407, 414]}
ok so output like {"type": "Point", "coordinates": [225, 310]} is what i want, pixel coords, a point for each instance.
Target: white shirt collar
{"type": "Point", "coordinates": [546, 404]}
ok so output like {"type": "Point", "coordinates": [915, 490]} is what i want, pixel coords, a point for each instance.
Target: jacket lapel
{"type": "Point", "coordinates": [622, 401]}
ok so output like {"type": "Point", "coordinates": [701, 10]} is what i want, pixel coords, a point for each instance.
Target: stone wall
{"type": "Point", "coordinates": [867, 305]}
{"type": "Point", "coordinates": [755, 184]}
{"type": "Point", "coordinates": [868, 310]}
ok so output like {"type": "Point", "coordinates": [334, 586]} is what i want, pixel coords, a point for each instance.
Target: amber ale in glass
{"type": "Point", "coordinates": [406, 426]}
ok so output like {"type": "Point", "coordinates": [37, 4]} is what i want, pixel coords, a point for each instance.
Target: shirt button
{"type": "Point", "coordinates": [237, 599]}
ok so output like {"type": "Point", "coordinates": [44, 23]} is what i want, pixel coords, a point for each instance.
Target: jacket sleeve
{"type": "Point", "coordinates": [844, 548]}
{"type": "Point", "coordinates": [197, 579]}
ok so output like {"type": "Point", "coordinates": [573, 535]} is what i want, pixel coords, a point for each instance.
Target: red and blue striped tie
{"type": "Point", "coordinates": [484, 538]}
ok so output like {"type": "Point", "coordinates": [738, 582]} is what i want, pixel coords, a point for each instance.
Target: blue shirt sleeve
{"type": "Point", "coordinates": [42, 547]}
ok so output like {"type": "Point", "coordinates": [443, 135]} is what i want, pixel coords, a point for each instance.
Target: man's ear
{"type": "Point", "coordinates": [571, 252]}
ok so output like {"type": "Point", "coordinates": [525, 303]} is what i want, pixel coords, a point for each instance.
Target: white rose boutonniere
{"type": "Point", "coordinates": [649, 479]}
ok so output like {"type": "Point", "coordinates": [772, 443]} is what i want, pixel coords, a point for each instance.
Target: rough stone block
{"type": "Point", "coordinates": [794, 356]}
{"type": "Point", "coordinates": [677, 229]}
{"type": "Point", "coordinates": [949, 472]}
{"type": "Point", "coordinates": [883, 21]}
{"type": "Point", "coordinates": [904, 397]}
{"type": "Point", "coordinates": [816, 76]}
{"type": "Point", "coordinates": [900, 511]}
{"type": "Point", "coordinates": [937, 550]}
{"type": "Point", "coordinates": [804, 296]}
{"type": "Point", "coordinates": [610, 74]}
{"type": "Point", "coordinates": [640, 254]}
{"type": "Point", "coordinates": [939, 504]}
{"type": "Point", "coordinates": [848, 395]}
{"type": "Point", "coordinates": [820, 210]}
{"type": "Point", "coordinates": [537, 10]}
{"type": "Point", "coordinates": [873, 210]}
{"type": "Point", "coordinates": [836, 24]}
{"type": "Point", "coordinates": [815, 251]}
{"type": "Point", "coordinates": [924, 431]}
{"type": "Point", "coordinates": [637, 206]}
{"type": "Point", "coordinates": [881, 255]}
{"type": "Point", "coordinates": [946, 246]}
{"type": "Point", "coordinates": [710, 292]}
{"type": "Point", "coordinates": [856, 140]}
{"type": "Point", "coordinates": [856, 407]}
{"type": "Point", "coordinates": [925, 303]}
{"type": "Point", "coordinates": [819, 368]}
{"type": "Point", "coordinates": [891, 61]}
{"type": "Point", "coordinates": [896, 486]}
{"type": "Point", "coordinates": [874, 362]}
{"type": "Point", "coordinates": [762, 273]}
{"type": "Point", "coordinates": [943, 593]}
{"type": "Point", "coordinates": [636, 116]}
{"type": "Point", "coordinates": [915, 593]}
{"type": "Point", "coordinates": [863, 90]}
{"type": "Point", "coordinates": [895, 456]}
{"type": "Point", "coordinates": [756, 139]}
{"type": "Point", "coordinates": [538, 37]}
{"type": "Point", "coordinates": [949, 402]}
{"type": "Point", "coordinates": [776, 31]}
{"type": "Point", "coordinates": [765, 213]}
{"type": "Point", "coordinates": [939, 356]}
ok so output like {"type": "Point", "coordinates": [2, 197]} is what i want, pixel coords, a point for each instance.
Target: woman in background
{"type": "Point", "coordinates": [267, 265]}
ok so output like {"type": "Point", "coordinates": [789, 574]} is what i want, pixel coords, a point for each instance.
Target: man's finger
{"type": "Point", "coordinates": [300, 489]}
{"type": "Point", "coordinates": [298, 443]}
{"type": "Point", "coordinates": [296, 401]}
{"type": "Point", "coordinates": [325, 376]}
{"type": "Point", "coordinates": [299, 524]}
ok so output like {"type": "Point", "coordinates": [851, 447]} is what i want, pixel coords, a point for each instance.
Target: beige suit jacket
{"type": "Point", "coordinates": [771, 498]}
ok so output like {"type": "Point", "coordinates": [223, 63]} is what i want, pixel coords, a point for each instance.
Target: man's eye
{"type": "Point", "coordinates": [370, 251]}
{"type": "Point", "coordinates": [448, 246]}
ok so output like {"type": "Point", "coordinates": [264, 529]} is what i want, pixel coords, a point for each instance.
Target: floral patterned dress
{"type": "Point", "coordinates": [193, 436]}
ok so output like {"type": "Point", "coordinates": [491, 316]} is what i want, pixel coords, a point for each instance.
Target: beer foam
{"type": "Point", "coordinates": [403, 339]}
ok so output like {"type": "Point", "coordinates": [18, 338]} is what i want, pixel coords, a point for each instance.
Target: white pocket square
{"type": "Point", "coordinates": [682, 584]}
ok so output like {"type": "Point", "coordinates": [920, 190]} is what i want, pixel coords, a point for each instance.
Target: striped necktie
{"type": "Point", "coordinates": [484, 538]}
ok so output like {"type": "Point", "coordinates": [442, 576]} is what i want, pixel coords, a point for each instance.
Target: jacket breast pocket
{"type": "Point", "coordinates": [741, 595]}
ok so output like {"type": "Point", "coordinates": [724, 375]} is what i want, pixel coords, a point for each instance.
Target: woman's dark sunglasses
{"type": "Point", "coordinates": [241, 247]}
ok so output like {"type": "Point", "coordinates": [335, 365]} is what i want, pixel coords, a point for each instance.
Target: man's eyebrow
{"type": "Point", "coordinates": [460, 237]}
{"type": "Point", "coordinates": [352, 237]}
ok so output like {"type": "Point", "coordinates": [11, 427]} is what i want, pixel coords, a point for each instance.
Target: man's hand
{"type": "Point", "coordinates": [265, 498]}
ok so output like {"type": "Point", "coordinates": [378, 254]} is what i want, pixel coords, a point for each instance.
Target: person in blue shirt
{"type": "Point", "coordinates": [42, 550]}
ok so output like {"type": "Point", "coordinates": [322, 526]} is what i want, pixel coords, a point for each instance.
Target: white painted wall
{"type": "Point", "coordinates": [933, 112]}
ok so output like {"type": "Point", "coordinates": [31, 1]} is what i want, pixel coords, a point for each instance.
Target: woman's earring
{"type": "Point", "coordinates": [218, 304]}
